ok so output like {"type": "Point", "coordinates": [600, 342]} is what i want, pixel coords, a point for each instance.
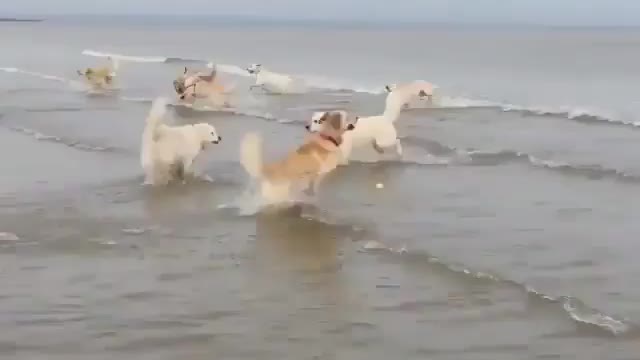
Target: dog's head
{"type": "Point", "coordinates": [185, 86]}
{"type": "Point", "coordinates": [207, 134]}
{"type": "Point", "coordinates": [331, 124]}
{"type": "Point", "coordinates": [254, 69]}
{"type": "Point", "coordinates": [390, 88]}
{"type": "Point", "coordinates": [316, 123]}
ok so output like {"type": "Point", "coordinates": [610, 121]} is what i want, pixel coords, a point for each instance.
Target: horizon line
{"type": "Point", "coordinates": [288, 20]}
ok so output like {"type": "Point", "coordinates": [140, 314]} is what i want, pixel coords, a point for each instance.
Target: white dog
{"type": "Point", "coordinates": [274, 82]}
{"type": "Point", "coordinates": [376, 131]}
{"type": "Point", "coordinates": [416, 92]}
{"type": "Point", "coordinates": [167, 151]}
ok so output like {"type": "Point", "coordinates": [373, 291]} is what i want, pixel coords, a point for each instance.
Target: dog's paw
{"type": "Point", "coordinates": [206, 178]}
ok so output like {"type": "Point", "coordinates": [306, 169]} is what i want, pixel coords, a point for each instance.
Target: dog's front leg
{"type": "Point", "coordinates": [376, 147]}
{"type": "Point", "coordinates": [315, 183]}
{"type": "Point", "coordinates": [187, 169]}
{"type": "Point", "coordinates": [311, 188]}
{"type": "Point", "coordinates": [398, 147]}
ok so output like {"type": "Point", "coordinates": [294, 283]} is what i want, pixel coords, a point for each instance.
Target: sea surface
{"type": "Point", "coordinates": [508, 230]}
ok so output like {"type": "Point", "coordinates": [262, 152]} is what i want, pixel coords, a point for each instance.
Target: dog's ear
{"type": "Point", "coordinates": [335, 120]}
{"type": "Point", "coordinates": [324, 117]}
{"type": "Point", "coordinates": [185, 71]}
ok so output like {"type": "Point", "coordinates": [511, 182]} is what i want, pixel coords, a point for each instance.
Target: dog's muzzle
{"type": "Point", "coordinates": [308, 127]}
{"type": "Point", "coordinates": [351, 127]}
{"type": "Point", "coordinates": [217, 141]}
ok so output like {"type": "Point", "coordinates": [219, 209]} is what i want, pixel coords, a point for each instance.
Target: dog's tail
{"type": "Point", "coordinates": [251, 154]}
{"type": "Point", "coordinates": [154, 118]}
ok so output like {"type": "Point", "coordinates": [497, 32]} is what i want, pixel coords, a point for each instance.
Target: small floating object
{"type": "Point", "coordinates": [379, 185]}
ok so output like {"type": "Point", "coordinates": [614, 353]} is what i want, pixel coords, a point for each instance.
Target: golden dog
{"type": "Point", "coordinates": [191, 86]}
{"type": "Point", "coordinates": [307, 165]}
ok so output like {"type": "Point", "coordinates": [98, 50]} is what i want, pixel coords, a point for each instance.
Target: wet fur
{"type": "Point", "coordinates": [304, 167]}
{"type": "Point", "coordinates": [168, 152]}
{"type": "Point", "coordinates": [199, 85]}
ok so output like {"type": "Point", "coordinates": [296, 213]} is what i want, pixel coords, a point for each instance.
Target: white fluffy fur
{"type": "Point", "coordinates": [376, 131]}
{"type": "Point", "coordinates": [415, 92]}
{"type": "Point", "coordinates": [274, 82]}
{"type": "Point", "coordinates": [169, 149]}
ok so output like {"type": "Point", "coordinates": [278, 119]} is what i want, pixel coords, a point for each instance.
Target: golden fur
{"type": "Point", "coordinates": [307, 165]}
{"type": "Point", "coordinates": [100, 78]}
{"type": "Point", "coordinates": [191, 86]}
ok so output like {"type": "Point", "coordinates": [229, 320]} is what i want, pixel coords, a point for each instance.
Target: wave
{"type": "Point", "coordinates": [55, 139]}
{"type": "Point", "coordinates": [594, 172]}
{"type": "Point", "coordinates": [144, 59]}
{"type": "Point", "coordinates": [583, 115]}
{"type": "Point", "coordinates": [313, 81]}
{"type": "Point", "coordinates": [36, 74]}
{"type": "Point", "coordinates": [226, 68]}
{"type": "Point", "coordinates": [578, 114]}
{"type": "Point", "coordinates": [206, 109]}
{"type": "Point", "coordinates": [454, 156]}
{"type": "Point", "coordinates": [576, 309]}
{"type": "Point", "coordinates": [442, 101]}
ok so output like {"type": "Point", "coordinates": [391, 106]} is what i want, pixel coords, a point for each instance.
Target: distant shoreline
{"type": "Point", "coordinates": [20, 20]}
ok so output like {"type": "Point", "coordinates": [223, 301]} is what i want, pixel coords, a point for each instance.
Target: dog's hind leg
{"type": "Point", "coordinates": [377, 147]}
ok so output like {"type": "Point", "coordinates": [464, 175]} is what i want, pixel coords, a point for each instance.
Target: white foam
{"type": "Point", "coordinates": [580, 314]}
{"type": "Point", "coordinates": [142, 59]}
{"type": "Point", "coordinates": [462, 102]}
{"type": "Point", "coordinates": [7, 236]}
{"type": "Point", "coordinates": [229, 69]}
{"type": "Point", "coordinates": [35, 74]}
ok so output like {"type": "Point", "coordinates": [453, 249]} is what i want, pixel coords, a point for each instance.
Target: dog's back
{"type": "Point", "coordinates": [304, 163]}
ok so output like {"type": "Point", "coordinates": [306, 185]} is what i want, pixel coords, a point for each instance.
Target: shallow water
{"type": "Point", "coordinates": [506, 231]}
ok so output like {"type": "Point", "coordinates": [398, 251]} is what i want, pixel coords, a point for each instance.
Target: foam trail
{"type": "Point", "coordinates": [229, 69]}
{"type": "Point", "coordinates": [35, 74]}
{"type": "Point", "coordinates": [55, 139]}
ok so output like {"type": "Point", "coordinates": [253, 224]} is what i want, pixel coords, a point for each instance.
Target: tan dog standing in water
{"type": "Point", "coordinates": [191, 86]}
{"type": "Point", "coordinates": [101, 78]}
{"type": "Point", "coordinates": [306, 166]}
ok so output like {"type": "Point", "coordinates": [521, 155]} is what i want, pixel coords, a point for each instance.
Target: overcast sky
{"type": "Point", "coordinates": [554, 12]}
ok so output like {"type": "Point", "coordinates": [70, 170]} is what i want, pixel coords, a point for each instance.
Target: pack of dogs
{"type": "Point", "coordinates": [168, 152]}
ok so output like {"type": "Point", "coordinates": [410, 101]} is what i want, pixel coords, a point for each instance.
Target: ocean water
{"type": "Point", "coordinates": [506, 231]}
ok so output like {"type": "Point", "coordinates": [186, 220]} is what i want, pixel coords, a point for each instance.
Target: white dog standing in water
{"type": "Point", "coordinates": [416, 92]}
{"type": "Point", "coordinates": [378, 131]}
{"type": "Point", "coordinates": [274, 82]}
{"type": "Point", "coordinates": [167, 151]}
